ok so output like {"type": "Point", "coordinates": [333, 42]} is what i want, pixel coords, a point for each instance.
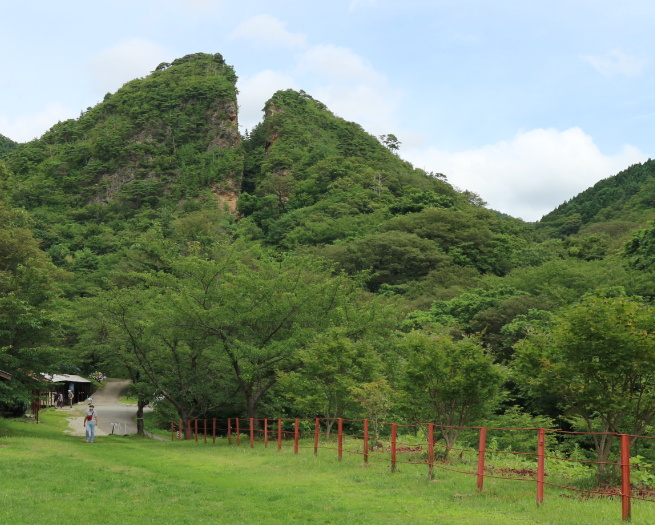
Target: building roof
{"type": "Point", "coordinates": [5, 375]}
{"type": "Point", "coordinates": [65, 378]}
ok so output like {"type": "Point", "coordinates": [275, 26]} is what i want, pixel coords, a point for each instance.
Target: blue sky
{"type": "Point", "coordinates": [525, 103]}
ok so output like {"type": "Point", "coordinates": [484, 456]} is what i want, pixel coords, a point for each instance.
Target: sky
{"type": "Point", "coordinates": [524, 103]}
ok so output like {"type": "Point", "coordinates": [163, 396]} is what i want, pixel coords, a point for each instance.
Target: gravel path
{"type": "Point", "coordinates": [109, 410]}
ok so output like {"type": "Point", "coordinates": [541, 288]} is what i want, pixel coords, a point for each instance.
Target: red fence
{"type": "Point", "coordinates": [273, 428]}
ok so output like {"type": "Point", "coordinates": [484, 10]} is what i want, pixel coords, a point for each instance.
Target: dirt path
{"type": "Point", "coordinates": [109, 410]}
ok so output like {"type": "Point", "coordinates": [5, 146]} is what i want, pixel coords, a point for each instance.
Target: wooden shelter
{"type": "Point", "coordinates": [81, 388]}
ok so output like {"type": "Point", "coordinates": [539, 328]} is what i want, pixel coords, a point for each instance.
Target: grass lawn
{"type": "Point", "coordinates": [48, 477]}
{"type": "Point", "coordinates": [129, 400]}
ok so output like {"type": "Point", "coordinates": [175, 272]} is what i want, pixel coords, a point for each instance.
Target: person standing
{"type": "Point", "coordinates": [90, 422]}
{"type": "Point", "coordinates": [70, 398]}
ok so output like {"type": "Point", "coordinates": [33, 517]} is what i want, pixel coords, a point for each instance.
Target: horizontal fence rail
{"type": "Point", "coordinates": [265, 430]}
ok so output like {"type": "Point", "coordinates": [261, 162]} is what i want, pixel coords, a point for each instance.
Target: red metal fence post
{"type": "Point", "coordinates": [366, 441]}
{"type": "Point", "coordinates": [340, 446]}
{"type": "Point", "coordinates": [279, 434]}
{"type": "Point", "coordinates": [229, 431]}
{"type": "Point", "coordinates": [265, 433]}
{"type": "Point", "coordinates": [316, 429]}
{"type": "Point", "coordinates": [393, 447]}
{"type": "Point", "coordinates": [179, 432]}
{"type": "Point", "coordinates": [205, 431]}
{"type": "Point", "coordinates": [214, 431]}
{"type": "Point", "coordinates": [295, 439]}
{"type": "Point", "coordinates": [252, 432]}
{"type": "Point", "coordinates": [541, 455]}
{"type": "Point", "coordinates": [238, 434]}
{"type": "Point", "coordinates": [188, 433]}
{"type": "Point", "coordinates": [481, 449]}
{"type": "Point", "coordinates": [172, 430]}
{"type": "Point", "coordinates": [430, 450]}
{"type": "Point", "coordinates": [625, 476]}
{"type": "Point", "coordinates": [196, 421]}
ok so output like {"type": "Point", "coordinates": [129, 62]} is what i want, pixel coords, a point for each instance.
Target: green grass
{"type": "Point", "coordinates": [51, 478]}
{"type": "Point", "coordinates": [129, 400]}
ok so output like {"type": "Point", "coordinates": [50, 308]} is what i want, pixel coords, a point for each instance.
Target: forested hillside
{"type": "Point", "coordinates": [627, 197]}
{"type": "Point", "coordinates": [304, 266]}
{"type": "Point", "coordinates": [6, 145]}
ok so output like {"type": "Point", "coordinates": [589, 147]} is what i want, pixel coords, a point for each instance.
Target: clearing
{"type": "Point", "coordinates": [49, 477]}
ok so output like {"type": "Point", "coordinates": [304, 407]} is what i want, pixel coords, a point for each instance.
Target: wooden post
{"type": "Point", "coordinates": [238, 434]}
{"type": "Point", "coordinates": [366, 441]}
{"type": "Point", "coordinates": [625, 477]}
{"type": "Point", "coordinates": [265, 433]}
{"type": "Point", "coordinates": [214, 431]}
{"type": "Point", "coordinates": [172, 430]}
{"type": "Point", "coordinates": [481, 449]}
{"type": "Point", "coordinates": [541, 456]}
{"type": "Point", "coordinates": [279, 434]}
{"type": "Point", "coordinates": [179, 434]}
{"type": "Point", "coordinates": [430, 450]}
{"type": "Point", "coordinates": [196, 421]}
{"type": "Point", "coordinates": [252, 432]}
{"type": "Point", "coordinates": [393, 447]}
{"type": "Point", "coordinates": [316, 429]}
{"type": "Point", "coordinates": [340, 438]}
{"type": "Point", "coordinates": [295, 439]}
{"type": "Point", "coordinates": [188, 434]}
{"type": "Point", "coordinates": [229, 431]}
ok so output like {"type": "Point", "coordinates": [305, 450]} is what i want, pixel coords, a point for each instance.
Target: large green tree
{"type": "Point", "coordinates": [448, 382]}
{"type": "Point", "coordinates": [29, 324]}
{"type": "Point", "coordinates": [598, 358]}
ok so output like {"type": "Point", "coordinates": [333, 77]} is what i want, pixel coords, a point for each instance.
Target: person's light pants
{"type": "Point", "coordinates": [90, 431]}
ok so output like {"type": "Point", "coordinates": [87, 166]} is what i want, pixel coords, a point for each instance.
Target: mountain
{"type": "Point", "coordinates": [628, 197]}
{"type": "Point", "coordinates": [168, 136]}
{"type": "Point", "coordinates": [6, 145]}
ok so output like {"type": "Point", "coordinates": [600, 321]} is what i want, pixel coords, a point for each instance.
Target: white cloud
{"type": "Point", "coordinates": [350, 86]}
{"type": "Point", "coordinates": [32, 125]}
{"type": "Point", "coordinates": [124, 61]}
{"type": "Point", "coordinates": [256, 90]}
{"type": "Point", "coordinates": [268, 29]}
{"type": "Point", "coordinates": [530, 174]}
{"type": "Point", "coordinates": [616, 62]}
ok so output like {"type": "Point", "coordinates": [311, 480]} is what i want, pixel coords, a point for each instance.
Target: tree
{"type": "Point", "coordinates": [376, 399]}
{"type": "Point", "coordinates": [330, 368]}
{"type": "Point", "coordinates": [260, 309]}
{"type": "Point", "coordinates": [640, 250]}
{"type": "Point", "coordinates": [29, 323]}
{"type": "Point", "coordinates": [391, 142]}
{"type": "Point", "coordinates": [598, 358]}
{"type": "Point", "coordinates": [448, 382]}
{"type": "Point", "coordinates": [140, 326]}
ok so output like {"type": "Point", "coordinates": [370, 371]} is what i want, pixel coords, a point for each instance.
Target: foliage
{"type": "Point", "coordinates": [448, 382]}
{"type": "Point", "coordinates": [640, 250]}
{"type": "Point", "coordinates": [329, 368]}
{"type": "Point", "coordinates": [29, 322]}
{"type": "Point", "coordinates": [6, 145]}
{"type": "Point", "coordinates": [376, 398]}
{"type": "Point", "coordinates": [598, 357]}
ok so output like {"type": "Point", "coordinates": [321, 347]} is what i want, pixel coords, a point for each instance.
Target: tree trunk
{"type": "Point", "coordinates": [139, 416]}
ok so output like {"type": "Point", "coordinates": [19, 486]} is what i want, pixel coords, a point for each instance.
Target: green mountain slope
{"type": "Point", "coordinates": [627, 196]}
{"type": "Point", "coordinates": [314, 181]}
{"type": "Point", "coordinates": [165, 136]}
{"type": "Point", "coordinates": [6, 145]}
{"type": "Point", "coordinates": [158, 149]}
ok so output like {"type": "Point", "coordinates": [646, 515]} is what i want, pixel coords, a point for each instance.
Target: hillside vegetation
{"type": "Point", "coordinates": [304, 268]}
{"type": "Point", "coordinates": [6, 145]}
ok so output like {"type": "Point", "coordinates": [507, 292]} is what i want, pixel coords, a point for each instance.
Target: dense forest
{"type": "Point", "coordinates": [303, 267]}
